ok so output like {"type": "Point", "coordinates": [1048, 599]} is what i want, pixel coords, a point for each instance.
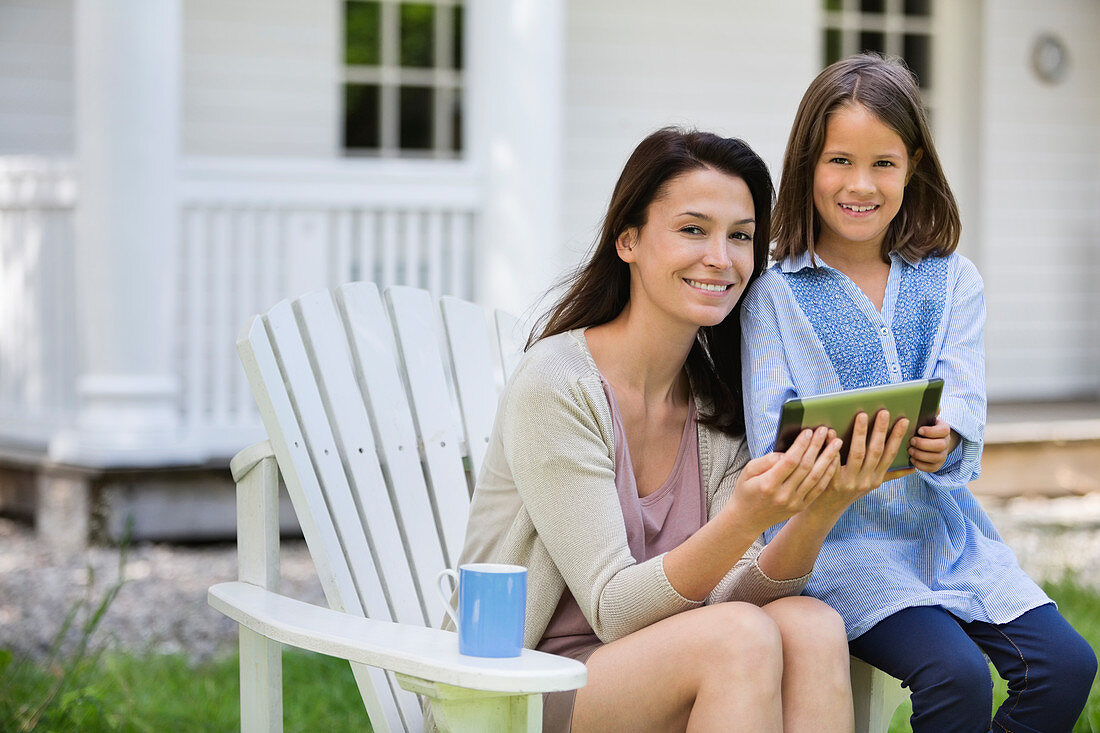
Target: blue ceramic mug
{"type": "Point", "coordinates": [492, 604]}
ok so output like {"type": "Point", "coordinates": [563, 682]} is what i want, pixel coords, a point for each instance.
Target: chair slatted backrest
{"type": "Point", "coordinates": [510, 341]}
{"type": "Point", "coordinates": [415, 325]}
{"type": "Point", "coordinates": [358, 405]}
{"type": "Point", "coordinates": [396, 441]}
{"type": "Point", "coordinates": [473, 371]}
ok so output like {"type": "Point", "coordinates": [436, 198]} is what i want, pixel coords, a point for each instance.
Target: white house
{"type": "Point", "coordinates": [168, 167]}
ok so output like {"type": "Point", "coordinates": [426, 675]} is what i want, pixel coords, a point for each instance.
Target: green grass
{"type": "Point", "coordinates": [128, 692]}
{"type": "Point", "coordinates": [1081, 608]}
{"type": "Point", "coordinates": [125, 692]}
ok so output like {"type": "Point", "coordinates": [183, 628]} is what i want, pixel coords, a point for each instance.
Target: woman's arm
{"type": "Point", "coordinates": [795, 547]}
{"type": "Point", "coordinates": [768, 490]}
{"type": "Point", "coordinates": [556, 435]}
{"type": "Point", "coordinates": [563, 469]}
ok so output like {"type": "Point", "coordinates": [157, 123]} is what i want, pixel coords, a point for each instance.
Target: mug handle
{"type": "Point", "coordinates": [445, 596]}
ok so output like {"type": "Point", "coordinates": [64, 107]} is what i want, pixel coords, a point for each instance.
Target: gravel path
{"type": "Point", "coordinates": [162, 605]}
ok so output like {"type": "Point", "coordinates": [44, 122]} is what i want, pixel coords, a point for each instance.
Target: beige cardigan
{"type": "Point", "coordinates": [546, 499]}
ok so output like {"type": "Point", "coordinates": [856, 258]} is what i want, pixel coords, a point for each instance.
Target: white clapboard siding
{"type": "Point", "coordinates": [471, 359]}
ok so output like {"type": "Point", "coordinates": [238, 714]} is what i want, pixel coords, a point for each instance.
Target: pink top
{"type": "Point", "coordinates": [654, 524]}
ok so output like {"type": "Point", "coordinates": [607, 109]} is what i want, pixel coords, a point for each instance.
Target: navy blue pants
{"type": "Point", "coordinates": [1048, 666]}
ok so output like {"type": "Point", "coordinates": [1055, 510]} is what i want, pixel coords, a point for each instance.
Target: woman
{"type": "Point", "coordinates": [617, 473]}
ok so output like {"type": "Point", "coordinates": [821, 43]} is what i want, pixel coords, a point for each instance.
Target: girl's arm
{"type": "Point", "coordinates": [961, 364]}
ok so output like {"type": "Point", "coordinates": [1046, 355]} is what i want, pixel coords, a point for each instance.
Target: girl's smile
{"type": "Point", "coordinates": [859, 179]}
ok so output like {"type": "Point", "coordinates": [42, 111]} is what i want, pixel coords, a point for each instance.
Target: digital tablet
{"type": "Point", "coordinates": [918, 400]}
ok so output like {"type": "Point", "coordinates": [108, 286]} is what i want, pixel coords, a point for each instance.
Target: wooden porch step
{"type": "Point", "coordinates": [1041, 449]}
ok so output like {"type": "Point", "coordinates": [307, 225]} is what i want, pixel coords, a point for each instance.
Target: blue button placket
{"type": "Point", "coordinates": [880, 322]}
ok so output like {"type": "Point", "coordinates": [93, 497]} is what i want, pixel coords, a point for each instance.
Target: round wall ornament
{"type": "Point", "coordinates": [1049, 58]}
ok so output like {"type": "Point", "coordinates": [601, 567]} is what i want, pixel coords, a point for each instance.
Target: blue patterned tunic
{"type": "Point", "coordinates": [922, 539]}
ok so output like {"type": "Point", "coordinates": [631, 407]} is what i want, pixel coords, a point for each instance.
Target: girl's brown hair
{"type": "Point", "coordinates": [599, 289]}
{"type": "Point", "coordinates": [928, 221]}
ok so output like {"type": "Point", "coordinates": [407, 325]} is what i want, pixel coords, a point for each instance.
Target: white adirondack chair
{"type": "Point", "coordinates": [377, 421]}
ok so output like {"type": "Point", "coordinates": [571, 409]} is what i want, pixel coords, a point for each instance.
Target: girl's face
{"type": "Point", "coordinates": [690, 261]}
{"type": "Point", "coordinates": [859, 179]}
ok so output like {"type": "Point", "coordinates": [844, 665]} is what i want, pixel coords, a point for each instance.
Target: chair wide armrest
{"type": "Point", "coordinates": [416, 651]}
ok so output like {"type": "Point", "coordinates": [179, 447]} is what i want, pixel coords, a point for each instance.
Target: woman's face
{"type": "Point", "coordinates": [691, 260]}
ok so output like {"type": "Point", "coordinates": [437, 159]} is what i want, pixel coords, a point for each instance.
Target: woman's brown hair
{"type": "Point", "coordinates": [599, 289]}
{"type": "Point", "coordinates": [928, 221]}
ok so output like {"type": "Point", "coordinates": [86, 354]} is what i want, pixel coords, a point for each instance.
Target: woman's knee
{"type": "Point", "coordinates": [742, 634]}
{"type": "Point", "coordinates": [808, 625]}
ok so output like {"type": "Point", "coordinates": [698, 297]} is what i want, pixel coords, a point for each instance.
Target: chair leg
{"type": "Point", "coordinates": [876, 696]}
{"type": "Point", "coordinates": [261, 683]}
{"type": "Point", "coordinates": [258, 563]}
{"type": "Point", "coordinates": [461, 710]}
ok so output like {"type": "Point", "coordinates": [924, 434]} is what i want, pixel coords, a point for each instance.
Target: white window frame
{"type": "Point", "coordinates": [446, 83]}
{"type": "Point", "coordinates": [893, 23]}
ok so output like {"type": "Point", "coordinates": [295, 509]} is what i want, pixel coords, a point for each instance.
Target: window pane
{"type": "Point", "coordinates": [922, 8]}
{"type": "Point", "coordinates": [832, 45]}
{"type": "Point", "coordinates": [916, 54]}
{"type": "Point", "coordinates": [457, 45]}
{"type": "Point", "coordinates": [417, 34]}
{"type": "Point", "coordinates": [872, 41]}
{"type": "Point", "coordinates": [361, 116]}
{"type": "Point", "coordinates": [416, 118]}
{"type": "Point", "coordinates": [362, 43]}
{"type": "Point", "coordinates": [456, 121]}
{"type": "Point", "coordinates": [872, 6]}
{"type": "Point", "coordinates": [833, 4]}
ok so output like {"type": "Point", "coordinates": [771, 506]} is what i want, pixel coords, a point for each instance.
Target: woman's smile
{"type": "Point", "coordinates": [698, 233]}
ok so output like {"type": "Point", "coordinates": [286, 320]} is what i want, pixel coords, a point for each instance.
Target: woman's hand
{"type": "Point", "coordinates": [776, 486]}
{"type": "Point", "coordinates": [929, 448]}
{"type": "Point", "coordinates": [868, 463]}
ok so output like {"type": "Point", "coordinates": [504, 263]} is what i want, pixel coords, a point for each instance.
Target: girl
{"type": "Point", "coordinates": [617, 473]}
{"type": "Point", "coordinates": [867, 290]}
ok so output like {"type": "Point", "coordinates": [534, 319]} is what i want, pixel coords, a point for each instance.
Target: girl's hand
{"type": "Point", "coordinates": [776, 486]}
{"type": "Point", "coordinates": [868, 463]}
{"type": "Point", "coordinates": [929, 448]}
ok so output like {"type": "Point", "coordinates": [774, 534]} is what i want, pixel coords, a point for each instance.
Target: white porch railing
{"type": "Point", "coordinates": [252, 232]}
{"type": "Point", "coordinates": [38, 346]}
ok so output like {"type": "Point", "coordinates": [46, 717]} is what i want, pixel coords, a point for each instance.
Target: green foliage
{"type": "Point", "coordinates": [157, 692]}
{"type": "Point", "coordinates": [58, 694]}
{"type": "Point", "coordinates": [362, 35]}
{"type": "Point", "coordinates": [1081, 607]}
{"type": "Point", "coordinates": [417, 34]}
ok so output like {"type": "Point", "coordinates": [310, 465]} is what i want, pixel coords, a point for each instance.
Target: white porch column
{"type": "Point", "coordinates": [127, 68]}
{"type": "Point", "coordinates": [515, 83]}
